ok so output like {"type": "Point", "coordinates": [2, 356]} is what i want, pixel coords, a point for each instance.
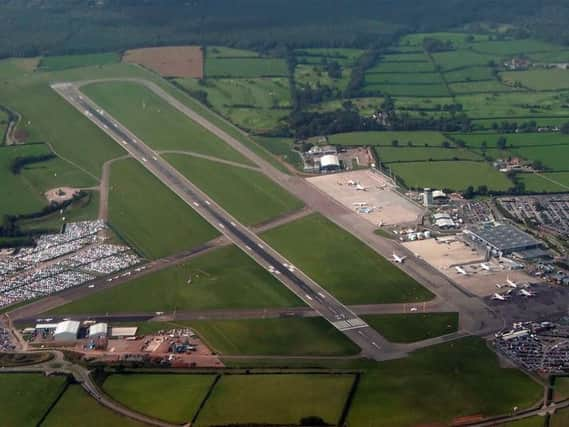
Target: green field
{"type": "Point", "coordinates": [248, 195]}
{"type": "Point", "coordinates": [149, 116]}
{"type": "Point", "coordinates": [386, 138]}
{"type": "Point", "coordinates": [554, 79]}
{"type": "Point", "coordinates": [457, 39]}
{"type": "Point", "coordinates": [469, 74]}
{"type": "Point", "coordinates": [417, 90]}
{"type": "Point", "coordinates": [405, 57]}
{"type": "Point", "coordinates": [527, 422]}
{"type": "Point", "coordinates": [225, 278]}
{"type": "Point", "coordinates": [459, 378]}
{"type": "Point", "coordinates": [276, 399]}
{"type": "Point", "coordinates": [402, 67]}
{"type": "Point", "coordinates": [553, 158]}
{"type": "Point", "coordinates": [172, 398]}
{"type": "Point", "coordinates": [486, 86]}
{"type": "Point", "coordinates": [315, 245]}
{"type": "Point", "coordinates": [58, 63]}
{"type": "Point", "coordinates": [404, 78]}
{"type": "Point", "coordinates": [461, 59]}
{"type": "Point", "coordinates": [25, 398]}
{"type": "Point", "coordinates": [274, 337]}
{"type": "Point", "coordinates": [411, 154]}
{"type": "Point", "coordinates": [552, 182]}
{"type": "Point", "coordinates": [510, 48]}
{"type": "Point", "coordinates": [345, 57]}
{"type": "Point", "coordinates": [413, 327]}
{"type": "Point", "coordinates": [77, 408]}
{"type": "Point", "coordinates": [283, 148]}
{"type": "Point", "coordinates": [157, 226]}
{"type": "Point", "coordinates": [475, 140]}
{"type": "Point", "coordinates": [253, 104]}
{"type": "Point", "coordinates": [316, 76]}
{"type": "Point", "coordinates": [454, 175]}
{"type": "Point", "coordinates": [228, 52]}
{"type": "Point", "coordinates": [245, 67]}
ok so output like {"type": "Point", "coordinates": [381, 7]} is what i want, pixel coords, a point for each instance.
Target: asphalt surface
{"type": "Point", "coordinates": [373, 345]}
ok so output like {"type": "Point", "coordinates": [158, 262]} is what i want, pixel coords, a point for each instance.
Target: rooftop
{"type": "Point", "coordinates": [504, 237]}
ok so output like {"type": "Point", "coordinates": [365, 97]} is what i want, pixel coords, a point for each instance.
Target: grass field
{"type": "Point", "coordinates": [283, 148]}
{"type": "Point", "coordinates": [25, 398]}
{"type": "Point", "coordinates": [445, 381]}
{"type": "Point", "coordinates": [386, 138]}
{"type": "Point", "coordinates": [401, 67]}
{"type": "Point", "coordinates": [461, 58]}
{"type": "Point", "coordinates": [77, 408]}
{"type": "Point", "coordinates": [345, 57]}
{"type": "Point", "coordinates": [315, 75]}
{"type": "Point", "coordinates": [254, 104]}
{"type": "Point", "coordinates": [363, 277]}
{"type": "Point", "coordinates": [561, 387]}
{"type": "Point", "coordinates": [510, 48]}
{"type": "Point", "coordinates": [457, 39]}
{"type": "Point", "coordinates": [454, 175]}
{"type": "Point", "coordinates": [276, 399]}
{"type": "Point", "coordinates": [245, 67]}
{"type": "Point", "coordinates": [410, 154]}
{"type": "Point", "coordinates": [486, 86]}
{"type": "Point", "coordinates": [274, 337]}
{"type": "Point", "coordinates": [552, 182]}
{"type": "Point", "coordinates": [527, 422]}
{"type": "Point", "coordinates": [413, 327]}
{"type": "Point", "coordinates": [248, 195]}
{"type": "Point", "coordinates": [475, 140]}
{"type": "Point", "coordinates": [469, 74]}
{"type": "Point", "coordinates": [554, 158]}
{"type": "Point", "coordinates": [58, 63]}
{"type": "Point", "coordinates": [172, 398]}
{"type": "Point", "coordinates": [225, 278]}
{"type": "Point", "coordinates": [404, 78]}
{"type": "Point", "coordinates": [416, 90]}
{"type": "Point", "coordinates": [156, 226]}
{"type": "Point", "coordinates": [229, 52]}
{"type": "Point", "coordinates": [560, 419]}
{"type": "Point", "coordinates": [554, 79]}
{"type": "Point", "coordinates": [147, 115]}
{"type": "Point", "coordinates": [405, 57]}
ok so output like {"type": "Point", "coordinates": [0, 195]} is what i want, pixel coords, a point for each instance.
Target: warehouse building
{"type": "Point", "coordinates": [329, 163]}
{"type": "Point", "coordinates": [505, 239]}
{"type": "Point", "coordinates": [98, 330]}
{"type": "Point", "coordinates": [66, 330]}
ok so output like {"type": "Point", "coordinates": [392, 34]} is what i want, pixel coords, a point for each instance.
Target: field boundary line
{"type": "Point", "coordinates": [552, 180]}
{"type": "Point", "coordinates": [55, 401]}
{"type": "Point", "coordinates": [349, 400]}
{"type": "Point", "coordinates": [205, 398]}
{"type": "Point", "coordinates": [72, 163]}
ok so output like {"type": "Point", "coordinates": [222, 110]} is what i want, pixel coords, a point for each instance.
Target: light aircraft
{"type": "Point", "coordinates": [461, 270]}
{"type": "Point", "coordinates": [398, 259]}
{"type": "Point", "coordinates": [352, 182]}
{"type": "Point", "coordinates": [526, 293]}
{"type": "Point", "coordinates": [360, 187]}
{"type": "Point", "coordinates": [511, 283]}
{"type": "Point", "coordinates": [485, 266]}
{"type": "Point", "coordinates": [499, 297]}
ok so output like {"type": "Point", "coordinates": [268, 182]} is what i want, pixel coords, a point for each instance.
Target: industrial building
{"type": "Point", "coordinates": [66, 330]}
{"type": "Point", "coordinates": [505, 239]}
{"type": "Point", "coordinates": [444, 221]}
{"type": "Point", "coordinates": [329, 163]}
{"type": "Point", "coordinates": [98, 330]}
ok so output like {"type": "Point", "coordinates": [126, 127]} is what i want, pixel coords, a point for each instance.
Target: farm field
{"type": "Point", "coordinates": [172, 398]}
{"type": "Point", "coordinates": [281, 147]}
{"type": "Point", "coordinates": [158, 226]}
{"type": "Point", "coordinates": [405, 57]}
{"type": "Point", "coordinates": [169, 61]}
{"type": "Point", "coordinates": [244, 67]}
{"type": "Point", "coordinates": [345, 57]}
{"type": "Point", "coordinates": [404, 78]}
{"type": "Point", "coordinates": [246, 194]}
{"type": "Point", "coordinates": [456, 59]}
{"type": "Point", "coordinates": [454, 175]}
{"type": "Point", "coordinates": [475, 140]}
{"type": "Point", "coordinates": [555, 79]}
{"type": "Point", "coordinates": [416, 90]}
{"type": "Point", "coordinates": [553, 158]}
{"type": "Point", "coordinates": [77, 408]}
{"type": "Point", "coordinates": [411, 154]}
{"type": "Point", "coordinates": [315, 75]}
{"type": "Point", "coordinates": [224, 278]}
{"type": "Point", "coordinates": [363, 277]}
{"type": "Point", "coordinates": [413, 327]}
{"type": "Point", "coordinates": [555, 56]}
{"type": "Point", "coordinates": [457, 39]}
{"type": "Point", "coordinates": [402, 67]}
{"type": "Point", "coordinates": [548, 182]}
{"type": "Point", "coordinates": [486, 86]}
{"type": "Point", "coordinates": [25, 398]}
{"type": "Point", "coordinates": [58, 63]}
{"type": "Point", "coordinates": [229, 52]}
{"type": "Point", "coordinates": [274, 337]}
{"type": "Point", "coordinates": [469, 74]}
{"type": "Point", "coordinates": [276, 399]}
{"type": "Point", "coordinates": [386, 138]}
{"type": "Point", "coordinates": [257, 105]}
{"type": "Point", "coordinates": [147, 115]}
{"type": "Point", "coordinates": [443, 382]}
{"type": "Point", "coordinates": [511, 48]}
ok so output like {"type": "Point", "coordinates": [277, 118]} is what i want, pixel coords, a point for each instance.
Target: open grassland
{"type": "Point", "coordinates": [315, 245]}
{"type": "Point", "coordinates": [149, 216]}
{"type": "Point", "coordinates": [404, 78]}
{"type": "Point", "coordinates": [245, 67]}
{"type": "Point", "coordinates": [276, 399]}
{"type": "Point", "coordinates": [386, 138]}
{"type": "Point", "coordinates": [315, 76]}
{"type": "Point", "coordinates": [554, 158]}
{"type": "Point", "coordinates": [512, 105]}
{"type": "Point", "coordinates": [445, 381]}
{"type": "Point", "coordinates": [58, 63]}
{"type": "Point", "coordinates": [246, 194]}
{"type": "Point", "coordinates": [456, 59]}
{"type": "Point", "coordinates": [77, 408]}
{"type": "Point", "coordinates": [158, 124]}
{"type": "Point", "coordinates": [413, 327]}
{"type": "Point", "coordinates": [486, 86]}
{"type": "Point", "coordinates": [510, 48]}
{"type": "Point", "coordinates": [225, 278]}
{"type": "Point", "coordinates": [540, 79]}
{"type": "Point", "coordinates": [257, 105]}
{"type": "Point", "coordinates": [457, 39]}
{"type": "Point", "coordinates": [23, 193]}
{"type": "Point", "coordinates": [476, 140]}
{"type": "Point", "coordinates": [274, 337]}
{"type": "Point", "coordinates": [401, 67]}
{"type": "Point", "coordinates": [25, 398]}
{"type": "Point", "coordinates": [413, 154]}
{"type": "Point", "coordinates": [172, 398]}
{"type": "Point", "coordinates": [169, 61]}
{"type": "Point", "coordinates": [548, 182]}
{"type": "Point", "coordinates": [469, 74]}
{"type": "Point", "coordinates": [454, 175]}
{"type": "Point", "coordinates": [13, 68]}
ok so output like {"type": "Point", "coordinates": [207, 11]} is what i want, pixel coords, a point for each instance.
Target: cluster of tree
{"type": "Point", "coordinates": [306, 124]}
{"type": "Point", "coordinates": [20, 163]}
{"type": "Point", "coordinates": [357, 78]}
{"type": "Point", "coordinates": [333, 68]}
{"type": "Point", "coordinates": [511, 127]}
{"type": "Point", "coordinates": [431, 45]}
{"type": "Point", "coordinates": [307, 94]}
{"type": "Point", "coordinates": [564, 129]}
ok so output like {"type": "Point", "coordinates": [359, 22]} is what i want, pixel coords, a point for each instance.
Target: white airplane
{"type": "Point", "coordinates": [360, 187]}
{"type": "Point", "coordinates": [499, 297]}
{"type": "Point", "coordinates": [351, 182]}
{"type": "Point", "coordinates": [511, 283]}
{"type": "Point", "coordinates": [485, 266]}
{"type": "Point", "coordinates": [499, 286]}
{"type": "Point", "coordinates": [398, 259]}
{"type": "Point", "coordinates": [461, 270]}
{"type": "Point", "coordinates": [526, 293]}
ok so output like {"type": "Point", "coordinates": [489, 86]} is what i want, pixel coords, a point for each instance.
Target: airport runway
{"type": "Point", "coordinates": [373, 345]}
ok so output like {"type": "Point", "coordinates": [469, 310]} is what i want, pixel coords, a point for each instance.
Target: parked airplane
{"type": "Point", "coordinates": [398, 259]}
{"type": "Point", "coordinates": [461, 270]}
{"type": "Point", "coordinates": [526, 293]}
{"type": "Point", "coordinates": [499, 297]}
{"type": "Point", "coordinates": [485, 266]}
{"type": "Point", "coordinates": [511, 283]}
{"type": "Point", "coordinates": [360, 187]}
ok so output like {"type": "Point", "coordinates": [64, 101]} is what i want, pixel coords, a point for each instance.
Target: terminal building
{"type": "Point", "coordinates": [506, 240]}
